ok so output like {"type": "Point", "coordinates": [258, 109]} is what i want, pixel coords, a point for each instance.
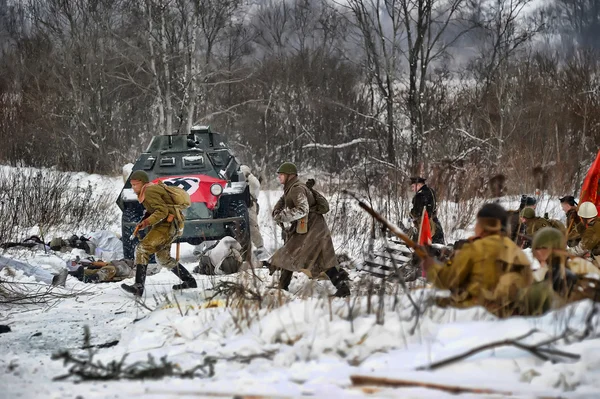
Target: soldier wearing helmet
{"type": "Point", "coordinates": [590, 239]}
{"type": "Point", "coordinates": [563, 271]}
{"type": "Point", "coordinates": [308, 246]}
{"type": "Point", "coordinates": [514, 227]}
{"type": "Point", "coordinates": [163, 230]}
{"type": "Point", "coordinates": [534, 223]}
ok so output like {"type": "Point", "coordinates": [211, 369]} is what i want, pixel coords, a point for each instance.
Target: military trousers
{"type": "Point", "coordinates": [157, 242]}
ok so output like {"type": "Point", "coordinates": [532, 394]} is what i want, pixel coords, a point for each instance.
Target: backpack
{"type": "Point", "coordinates": [557, 225]}
{"type": "Point", "coordinates": [180, 197]}
{"type": "Point", "coordinates": [322, 206]}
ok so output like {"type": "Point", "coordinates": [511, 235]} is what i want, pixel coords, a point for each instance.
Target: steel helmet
{"type": "Point", "coordinates": [140, 175]}
{"type": "Point", "coordinates": [549, 237]}
{"type": "Point", "coordinates": [587, 210]}
{"type": "Point", "coordinates": [288, 168]}
{"type": "Point", "coordinates": [528, 213]}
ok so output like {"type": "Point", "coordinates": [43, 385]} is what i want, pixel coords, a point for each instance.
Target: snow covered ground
{"type": "Point", "coordinates": [291, 345]}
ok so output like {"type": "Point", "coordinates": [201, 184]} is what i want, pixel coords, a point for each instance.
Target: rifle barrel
{"type": "Point", "coordinates": [421, 253]}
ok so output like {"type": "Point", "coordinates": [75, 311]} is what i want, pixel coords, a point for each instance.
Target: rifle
{"type": "Point", "coordinates": [419, 250]}
{"type": "Point", "coordinates": [135, 232]}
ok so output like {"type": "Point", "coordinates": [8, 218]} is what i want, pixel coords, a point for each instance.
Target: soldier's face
{"type": "Point", "coordinates": [137, 186]}
{"type": "Point", "coordinates": [565, 206]}
{"type": "Point", "coordinates": [414, 188]}
{"type": "Point", "coordinates": [282, 177]}
{"type": "Point", "coordinates": [542, 254]}
{"type": "Point", "coordinates": [478, 229]}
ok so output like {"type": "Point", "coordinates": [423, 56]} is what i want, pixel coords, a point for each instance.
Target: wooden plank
{"type": "Point", "coordinates": [363, 380]}
{"type": "Point", "coordinates": [387, 255]}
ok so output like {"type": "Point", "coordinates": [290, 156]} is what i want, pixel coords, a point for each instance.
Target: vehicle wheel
{"type": "Point", "coordinates": [130, 215]}
{"type": "Point", "coordinates": [128, 245]}
{"type": "Point", "coordinates": [241, 231]}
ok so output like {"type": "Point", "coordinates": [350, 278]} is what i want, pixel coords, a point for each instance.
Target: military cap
{"type": "Point", "coordinates": [417, 180]}
{"type": "Point", "coordinates": [492, 217]}
{"type": "Point", "coordinates": [569, 199]}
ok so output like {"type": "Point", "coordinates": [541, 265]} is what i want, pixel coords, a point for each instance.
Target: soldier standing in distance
{"type": "Point", "coordinates": [425, 199]}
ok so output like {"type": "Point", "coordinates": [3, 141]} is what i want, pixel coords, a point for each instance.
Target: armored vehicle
{"type": "Point", "coordinates": [201, 163]}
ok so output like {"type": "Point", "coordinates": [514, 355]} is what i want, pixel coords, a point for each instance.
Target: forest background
{"type": "Point", "coordinates": [485, 97]}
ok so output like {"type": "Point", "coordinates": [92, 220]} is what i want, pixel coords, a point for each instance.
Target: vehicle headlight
{"type": "Point", "coordinates": [216, 189]}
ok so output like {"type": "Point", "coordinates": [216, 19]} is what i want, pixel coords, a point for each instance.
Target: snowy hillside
{"type": "Point", "coordinates": [269, 343]}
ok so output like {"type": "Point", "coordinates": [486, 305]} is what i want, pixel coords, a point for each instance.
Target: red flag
{"type": "Point", "coordinates": [589, 190]}
{"type": "Point", "coordinates": [425, 233]}
{"type": "Point", "coordinates": [425, 230]}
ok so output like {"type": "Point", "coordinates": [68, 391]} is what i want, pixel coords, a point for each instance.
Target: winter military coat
{"type": "Point", "coordinates": [514, 225]}
{"type": "Point", "coordinates": [492, 272]}
{"type": "Point", "coordinates": [159, 205]}
{"type": "Point", "coordinates": [311, 252]}
{"type": "Point", "coordinates": [165, 222]}
{"type": "Point", "coordinates": [537, 223]}
{"type": "Point", "coordinates": [590, 239]}
{"type": "Point", "coordinates": [424, 199]}
{"type": "Point", "coordinates": [575, 226]}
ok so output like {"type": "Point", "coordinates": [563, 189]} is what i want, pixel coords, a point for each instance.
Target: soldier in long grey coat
{"type": "Point", "coordinates": [308, 246]}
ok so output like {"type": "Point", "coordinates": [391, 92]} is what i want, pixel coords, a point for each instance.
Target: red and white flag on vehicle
{"type": "Point", "coordinates": [197, 186]}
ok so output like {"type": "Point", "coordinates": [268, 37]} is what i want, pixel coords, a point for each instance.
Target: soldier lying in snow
{"type": "Point", "coordinates": [490, 271]}
{"type": "Point", "coordinates": [100, 272]}
{"type": "Point", "coordinates": [222, 258]}
{"type": "Point", "coordinates": [569, 276]}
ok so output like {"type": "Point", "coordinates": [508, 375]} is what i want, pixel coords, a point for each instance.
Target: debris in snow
{"type": "Point", "coordinates": [85, 368]}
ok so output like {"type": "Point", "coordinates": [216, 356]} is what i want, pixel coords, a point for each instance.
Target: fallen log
{"type": "Point", "coordinates": [362, 380]}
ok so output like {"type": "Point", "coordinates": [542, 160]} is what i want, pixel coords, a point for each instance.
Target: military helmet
{"type": "Point", "coordinates": [549, 237]}
{"type": "Point", "coordinates": [140, 175]}
{"type": "Point", "coordinates": [288, 168]}
{"type": "Point", "coordinates": [587, 210]}
{"type": "Point", "coordinates": [528, 213]}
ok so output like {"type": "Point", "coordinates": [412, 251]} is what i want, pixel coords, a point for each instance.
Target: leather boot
{"type": "Point", "coordinates": [78, 274]}
{"type": "Point", "coordinates": [339, 279]}
{"type": "Point", "coordinates": [187, 280]}
{"type": "Point", "coordinates": [137, 289]}
{"type": "Point", "coordinates": [285, 279]}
